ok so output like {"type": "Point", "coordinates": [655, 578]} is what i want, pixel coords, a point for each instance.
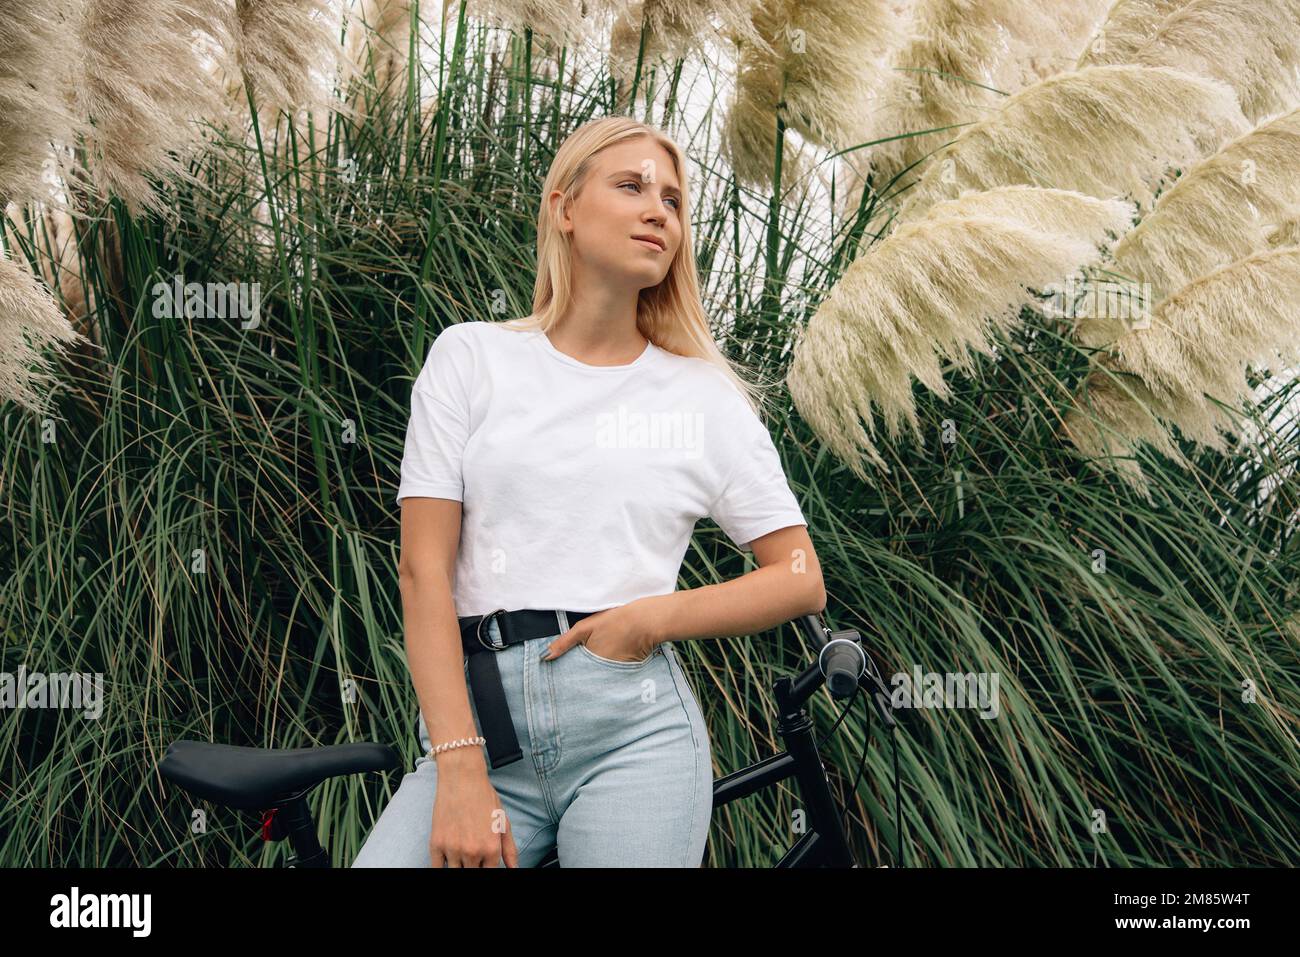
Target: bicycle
{"type": "Point", "coordinates": [276, 781]}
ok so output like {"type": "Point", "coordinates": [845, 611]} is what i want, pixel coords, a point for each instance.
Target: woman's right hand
{"type": "Point", "coordinates": [470, 827]}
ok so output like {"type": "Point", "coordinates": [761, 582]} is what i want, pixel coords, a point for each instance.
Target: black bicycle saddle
{"type": "Point", "coordinates": [261, 778]}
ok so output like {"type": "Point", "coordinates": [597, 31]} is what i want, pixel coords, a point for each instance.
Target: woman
{"type": "Point", "coordinates": [553, 472]}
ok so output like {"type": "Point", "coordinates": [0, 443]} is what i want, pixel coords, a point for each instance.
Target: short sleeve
{"type": "Point", "coordinates": [755, 498]}
{"type": "Point", "coordinates": [438, 428]}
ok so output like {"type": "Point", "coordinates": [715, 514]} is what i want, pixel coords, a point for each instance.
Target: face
{"type": "Point", "coordinates": [632, 190]}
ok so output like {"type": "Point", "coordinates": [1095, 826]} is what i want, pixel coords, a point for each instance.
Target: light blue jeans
{"type": "Point", "coordinates": [617, 768]}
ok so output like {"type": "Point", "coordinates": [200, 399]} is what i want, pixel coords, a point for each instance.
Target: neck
{"type": "Point", "coordinates": [600, 327]}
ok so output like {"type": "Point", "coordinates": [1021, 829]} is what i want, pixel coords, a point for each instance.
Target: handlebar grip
{"type": "Point", "coordinates": [843, 662]}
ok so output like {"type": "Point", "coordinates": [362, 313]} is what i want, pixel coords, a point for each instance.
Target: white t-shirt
{"type": "Point", "coordinates": [581, 485]}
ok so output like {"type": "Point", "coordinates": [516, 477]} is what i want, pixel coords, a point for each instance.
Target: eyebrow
{"type": "Point", "coordinates": [637, 174]}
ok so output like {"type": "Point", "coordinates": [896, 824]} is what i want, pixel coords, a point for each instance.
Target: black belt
{"type": "Point", "coordinates": [495, 723]}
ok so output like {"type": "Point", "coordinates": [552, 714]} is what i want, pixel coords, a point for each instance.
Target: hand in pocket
{"type": "Point", "coordinates": [626, 633]}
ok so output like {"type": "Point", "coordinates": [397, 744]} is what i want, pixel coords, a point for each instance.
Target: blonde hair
{"type": "Point", "coordinates": [670, 314]}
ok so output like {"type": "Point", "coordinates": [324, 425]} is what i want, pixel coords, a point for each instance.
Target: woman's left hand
{"type": "Point", "coordinates": [624, 633]}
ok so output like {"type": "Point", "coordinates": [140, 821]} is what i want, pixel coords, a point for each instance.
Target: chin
{"type": "Point", "coordinates": [651, 276]}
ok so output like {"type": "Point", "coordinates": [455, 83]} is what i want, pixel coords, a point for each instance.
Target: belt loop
{"type": "Point", "coordinates": [563, 619]}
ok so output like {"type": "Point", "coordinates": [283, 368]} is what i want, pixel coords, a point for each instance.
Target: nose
{"type": "Point", "coordinates": [658, 211]}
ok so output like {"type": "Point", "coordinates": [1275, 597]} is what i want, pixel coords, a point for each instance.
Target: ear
{"type": "Point", "coordinates": [560, 209]}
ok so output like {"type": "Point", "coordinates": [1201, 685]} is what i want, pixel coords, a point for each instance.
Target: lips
{"type": "Point", "coordinates": [651, 239]}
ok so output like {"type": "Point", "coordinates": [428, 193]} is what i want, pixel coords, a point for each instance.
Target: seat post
{"type": "Point", "coordinates": [301, 831]}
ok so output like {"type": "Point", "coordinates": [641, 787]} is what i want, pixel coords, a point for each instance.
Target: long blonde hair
{"type": "Point", "coordinates": [671, 314]}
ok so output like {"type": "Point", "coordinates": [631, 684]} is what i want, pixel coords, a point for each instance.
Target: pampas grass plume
{"type": "Point", "coordinates": [1127, 27]}
{"type": "Point", "coordinates": [30, 320]}
{"type": "Point", "coordinates": [1197, 348]}
{"type": "Point", "coordinates": [936, 288]}
{"type": "Point", "coordinates": [676, 28]}
{"type": "Point", "coordinates": [1219, 211]}
{"type": "Point", "coordinates": [825, 60]}
{"type": "Point", "coordinates": [35, 92]}
{"type": "Point", "coordinates": [959, 61]}
{"type": "Point", "coordinates": [1104, 131]}
{"type": "Point", "coordinates": [1252, 46]}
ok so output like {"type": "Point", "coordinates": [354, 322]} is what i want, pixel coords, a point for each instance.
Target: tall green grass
{"type": "Point", "coordinates": [1121, 687]}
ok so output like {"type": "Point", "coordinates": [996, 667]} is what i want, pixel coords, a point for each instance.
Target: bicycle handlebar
{"type": "Point", "coordinates": [842, 664]}
{"type": "Point", "coordinates": [816, 632]}
{"type": "Point", "coordinates": [840, 657]}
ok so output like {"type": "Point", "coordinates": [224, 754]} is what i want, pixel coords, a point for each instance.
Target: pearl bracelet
{"type": "Point", "coordinates": [458, 743]}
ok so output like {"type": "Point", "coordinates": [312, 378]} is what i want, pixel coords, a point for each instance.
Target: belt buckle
{"type": "Point", "coordinates": [478, 631]}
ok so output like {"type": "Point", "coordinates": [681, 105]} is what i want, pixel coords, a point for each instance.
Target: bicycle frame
{"type": "Point", "coordinates": [294, 821]}
{"type": "Point", "coordinates": [825, 844]}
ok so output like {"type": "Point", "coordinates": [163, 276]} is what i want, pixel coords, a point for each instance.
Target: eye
{"type": "Point", "coordinates": [631, 182]}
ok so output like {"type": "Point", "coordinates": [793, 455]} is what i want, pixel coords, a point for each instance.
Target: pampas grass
{"type": "Point", "coordinates": [200, 434]}
{"type": "Point", "coordinates": [1198, 346]}
{"type": "Point", "coordinates": [1201, 337]}
{"type": "Point", "coordinates": [50, 233]}
{"type": "Point", "coordinates": [936, 288]}
{"type": "Point", "coordinates": [1111, 415]}
{"type": "Point", "coordinates": [1104, 131]}
{"type": "Point", "coordinates": [1051, 210]}
{"type": "Point", "coordinates": [1254, 47]}
{"type": "Point", "coordinates": [289, 58]}
{"type": "Point", "coordinates": [625, 48]}
{"type": "Point", "coordinates": [288, 53]}
{"type": "Point", "coordinates": [30, 320]}
{"type": "Point", "coordinates": [141, 82]}
{"type": "Point", "coordinates": [961, 58]}
{"type": "Point", "coordinates": [1219, 211]}
{"type": "Point", "coordinates": [826, 63]}
{"type": "Point", "coordinates": [558, 22]}
{"type": "Point", "coordinates": [1286, 234]}
{"type": "Point", "coordinates": [749, 132]}
{"type": "Point", "coordinates": [380, 31]}
{"type": "Point", "coordinates": [676, 28]}
{"type": "Point", "coordinates": [1128, 26]}
{"type": "Point", "coordinates": [35, 87]}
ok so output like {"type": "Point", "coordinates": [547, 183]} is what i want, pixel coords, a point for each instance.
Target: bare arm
{"type": "Point", "coordinates": [787, 584]}
{"type": "Point", "coordinates": [430, 538]}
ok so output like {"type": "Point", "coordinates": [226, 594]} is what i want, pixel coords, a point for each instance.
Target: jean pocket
{"type": "Point", "coordinates": [611, 663]}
